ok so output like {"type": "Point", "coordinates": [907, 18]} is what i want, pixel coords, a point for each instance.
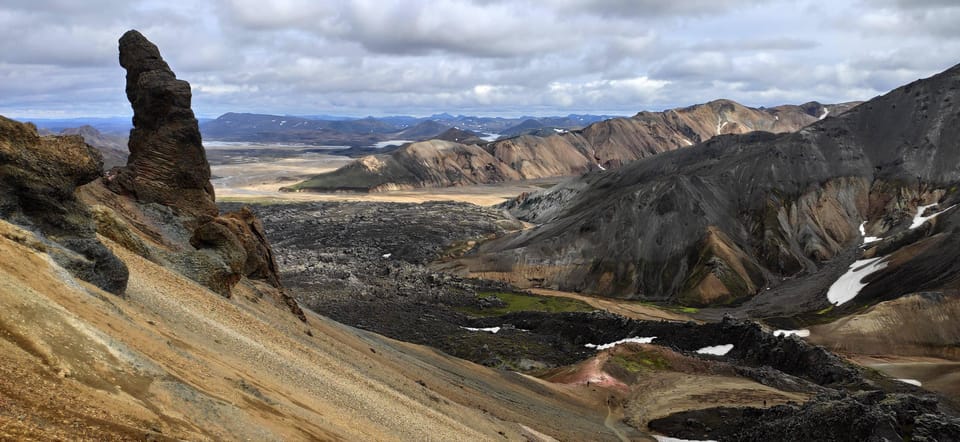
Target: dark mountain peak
{"type": "Point", "coordinates": [738, 216]}
{"type": "Point", "coordinates": [230, 115]}
{"type": "Point", "coordinates": [85, 130]}
{"type": "Point", "coordinates": [425, 129]}
{"type": "Point", "coordinates": [460, 136]}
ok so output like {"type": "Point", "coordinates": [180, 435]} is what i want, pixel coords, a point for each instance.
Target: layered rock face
{"type": "Point", "coordinates": [167, 163]}
{"type": "Point", "coordinates": [604, 145]}
{"type": "Point", "coordinates": [739, 215]}
{"type": "Point", "coordinates": [38, 176]}
{"type": "Point", "coordinates": [172, 217]}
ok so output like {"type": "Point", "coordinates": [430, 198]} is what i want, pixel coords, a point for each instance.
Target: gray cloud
{"type": "Point", "coordinates": [59, 57]}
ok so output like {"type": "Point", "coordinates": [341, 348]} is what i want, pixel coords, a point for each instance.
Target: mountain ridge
{"type": "Point", "coordinates": [601, 145]}
{"type": "Point", "coordinates": [728, 219]}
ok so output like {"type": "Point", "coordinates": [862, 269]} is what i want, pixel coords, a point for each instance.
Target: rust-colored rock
{"type": "Point", "coordinates": [238, 237]}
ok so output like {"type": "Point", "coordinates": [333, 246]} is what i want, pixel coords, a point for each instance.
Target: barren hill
{"type": "Point", "coordinates": [603, 145]}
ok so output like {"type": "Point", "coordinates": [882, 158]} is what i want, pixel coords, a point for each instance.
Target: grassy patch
{"type": "Point", "coordinates": [640, 361]}
{"type": "Point", "coordinates": [671, 308]}
{"type": "Point", "coordinates": [520, 302]}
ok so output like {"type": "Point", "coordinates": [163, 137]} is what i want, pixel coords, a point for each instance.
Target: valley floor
{"type": "Point", "coordinates": [248, 175]}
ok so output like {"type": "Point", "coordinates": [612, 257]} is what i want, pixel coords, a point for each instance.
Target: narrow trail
{"type": "Point", "coordinates": [630, 309]}
{"type": "Point", "coordinates": [613, 416]}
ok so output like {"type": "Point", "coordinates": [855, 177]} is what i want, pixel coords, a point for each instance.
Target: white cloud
{"type": "Point", "coordinates": [477, 56]}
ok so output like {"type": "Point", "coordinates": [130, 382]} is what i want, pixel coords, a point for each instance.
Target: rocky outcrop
{"type": "Point", "coordinates": [240, 239]}
{"type": "Point", "coordinates": [38, 176]}
{"type": "Point", "coordinates": [161, 205]}
{"type": "Point", "coordinates": [167, 163]}
{"type": "Point", "coordinates": [603, 145]}
{"type": "Point", "coordinates": [740, 215]}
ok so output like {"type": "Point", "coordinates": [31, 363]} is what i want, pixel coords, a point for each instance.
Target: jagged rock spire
{"type": "Point", "coordinates": [167, 163]}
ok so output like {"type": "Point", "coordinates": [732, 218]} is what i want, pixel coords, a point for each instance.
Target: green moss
{"type": "Point", "coordinates": [640, 361]}
{"type": "Point", "coordinates": [520, 302]}
{"type": "Point", "coordinates": [825, 311]}
{"type": "Point", "coordinates": [683, 309]}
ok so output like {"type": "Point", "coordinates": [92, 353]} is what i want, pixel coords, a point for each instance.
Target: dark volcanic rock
{"type": "Point", "coordinates": [721, 222]}
{"type": "Point", "coordinates": [865, 416]}
{"type": "Point", "coordinates": [38, 176]}
{"type": "Point", "coordinates": [169, 178]}
{"type": "Point", "coordinates": [167, 163]}
{"type": "Point", "coordinates": [364, 264]}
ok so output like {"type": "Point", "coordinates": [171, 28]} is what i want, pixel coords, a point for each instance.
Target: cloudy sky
{"type": "Point", "coordinates": [58, 58]}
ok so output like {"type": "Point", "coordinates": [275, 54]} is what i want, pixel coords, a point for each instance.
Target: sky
{"type": "Point", "coordinates": [58, 58]}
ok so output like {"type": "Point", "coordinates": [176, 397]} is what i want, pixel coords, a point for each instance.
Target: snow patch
{"type": "Point", "coordinates": [717, 350]}
{"type": "Point", "coordinates": [490, 137]}
{"type": "Point", "coordinates": [863, 233]}
{"type": "Point", "coordinates": [825, 113]}
{"type": "Point", "coordinates": [849, 285]}
{"type": "Point", "coordinates": [383, 144]}
{"type": "Point", "coordinates": [387, 255]}
{"type": "Point", "coordinates": [601, 167]}
{"type": "Point", "coordinates": [911, 382]}
{"type": "Point", "coordinates": [622, 341]}
{"type": "Point", "coordinates": [687, 142]}
{"type": "Point", "coordinates": [488, 329]}
{"type": "Point", "coordinates": [720, 124]}
{"type": "Point", "coordinates": [803, 333]}
{"type": "Point", "coordinates": [673, 439]}
{"type": "Point", "coordinates": [919, 219]}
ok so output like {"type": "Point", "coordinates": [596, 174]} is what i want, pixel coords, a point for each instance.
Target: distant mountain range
{"type": "Point", "coordinates": [325, 130]}
{"type": "Point", "coordinates": [337, 130]}
{"type": "Point", "coordinates": [554, 152]}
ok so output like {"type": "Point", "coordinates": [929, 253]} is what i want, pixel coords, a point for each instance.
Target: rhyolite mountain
{"type": "Point", "coordinates": [742, 215]}
{"type": "Point", "coordinates": [601, 145]}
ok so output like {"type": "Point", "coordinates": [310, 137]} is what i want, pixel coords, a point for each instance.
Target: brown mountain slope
{"type": "Point", "coordinates": [174, 361]}
{"type": "Point", "coordinates": [776, 216]}
{"type": "Point", "coordinates": [603, 145]}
